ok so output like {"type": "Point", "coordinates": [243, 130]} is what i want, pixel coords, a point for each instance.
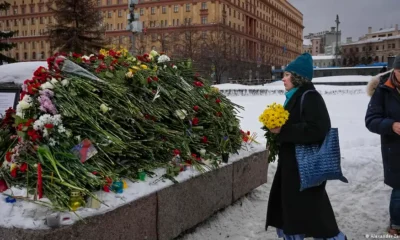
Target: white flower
{"type": "Point", "coordinates": [153, 53]}
{"type": "Point", "coordinates": [54, 81]}
{"type": "Point", "coordinates": [68, 133]}
{"type": "Point", "coordinates": [47, 85]}
{"type": "Point", "coordinates": [202, 152]}
{"type": "Point", "coordinates": [57, 119]}
{"type": "Point", "coordinates": [181, 113]}
{"type": "Point", "coordinates": [129, 74]}
{"type": "Point", "coordinates": [104, 108]}
{"type": "Point", "coordinates": [61, 129]}
{"type": "Point", "coordinates": [163, 58]}
{"type": "Point", "coordinates": [52, 142]}
{"type": "Point", "coordinates": [86, 58]}
{"type": "Point", "coordinates": [24, 105]}
{"type": "Point", "coordinates": [165, 66]}
{"type": "Point", "coordinates": [174, 67]}
{"type": "Point", "coordinates": [27, 99]}
{"type": "Point", "coordinates": [78, 138]}
{"type": "Point", "coordinates": [45, 132]}
{"type": "Point", "coordinates": [65, 82]}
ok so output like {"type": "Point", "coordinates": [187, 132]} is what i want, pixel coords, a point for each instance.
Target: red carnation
{"type": "Point", "coordinates": [8, 156]}
{"type": "Point", "coordinates": [100, 57]}
{"type": "Point", "coordinates": [76, 55]}
{"type": "Point", "coordinates": [176, 152]}
{"type": "Point", "coordinates": [23, 167]}
{"type": "Point", "coordinates": [106, 188]}
{"type": "Point", "coordinates": [195, 121]}
{"type": "Point", "coordinates": [3, 185]}
{"type": "Point", "coordinates": [198, 84]}
{"type": "Point", "coordinates": [49, 126]}
{"type": "Point", "coordinates": [196, 108]}
{"type": "Point", "coordinates": [149, 80]}
{"type": "Point", "coordinates": [245, 138]}
{"type": "Point", "coordinates": [219, 114]}
{"type": "Point", "coordinates": [155, 79]}
{"type": "Point", "coordinates": [194, 155]}
{"type": "Point", "coordinates": [248, 133]}
{"type": "Point", "coordinates": [29, 122]}
{"type": "Point", "coordinates": [218, 100]}
{"type": "Point", "coordinates": [204, 139]}
{"type": "Point", "coordinates": [14, 173]}
{"type": "Point", "coordinates": [206, 96]}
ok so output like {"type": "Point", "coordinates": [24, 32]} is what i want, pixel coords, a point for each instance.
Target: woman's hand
{"type": "Point", "coordinates": [276, 130]}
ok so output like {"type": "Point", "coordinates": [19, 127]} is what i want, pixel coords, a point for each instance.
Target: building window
{"type": "Point", "coordinates": [98, 2]}
{"type": "Point", "coordinates": [119, 1]}
{"type": "Point", "coordinates": [188, 7]}
{"type": "Point", "coordinates": [176, 8]}
{"type": "Point", "coordinates": [204, 20]}
{"type": "Point", "coordinates": [34, 55]}
{"type": "Point", "coordinates": [203, 5]}
{"type": "Point", "coordinates": [109, 14]}
{"type": "Point", "coordinates": [15, 11]}
{"type": "Point", "coordinates": [173, 22]}
{"type": "Point", "coordinates": [41, 44]}
{"type": "Point", "coordinates": [177, 22]}
{"type": "Point", "coordinates": [17, 56]}
{"type": "Point", "coordinates": [119, 13]}
{"type": "Point", "coordinates": [42, 55]}
{"type": "Point", "coordinates": [153, 10]}
{"type": "Point", "coordinates": [25, 55]}
{"type": "Point", "coordinates": [166, 23]}
{"type": "Point", "coordinates": [162, 23]}
{"type": "Point", "coordinates": [394, 45]}
{"type": "Point", "coordinates": [164, 9]}
{"type": "Point", "coordinates": [15, 22]}
{"type": "Point", "coordinates": [23, 10]}
{"type": "Point", "coordinates": [40, 8]}
{"type": "Point", "coordinates": [109, 2]}
{"type": "Point", "coordinates": [41, 20]}
{"type": "Point", "coordinates": [32, 9]}
{"type": "Point", "coordinates": [33, 45]}
{"type": "Point", "coordinates": [141, 12]}
{"type": "Point", "coordinates": [32, 20]}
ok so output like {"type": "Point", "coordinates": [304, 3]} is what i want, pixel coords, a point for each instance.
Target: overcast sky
{"type": "Point", "coordinates": [355, 15]}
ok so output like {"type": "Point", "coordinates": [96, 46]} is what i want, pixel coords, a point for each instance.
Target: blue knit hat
{"type": "Point", "coordinates": [302, 66]}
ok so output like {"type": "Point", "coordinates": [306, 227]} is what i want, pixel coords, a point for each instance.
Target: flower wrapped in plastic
{"type": "Point", "coordinates": [274, 116]}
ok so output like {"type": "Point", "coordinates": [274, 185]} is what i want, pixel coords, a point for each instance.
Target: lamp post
{"type": "Point", "coordinates": [337, 40]}
{"type": "Point", "coordinates": [134, 25]}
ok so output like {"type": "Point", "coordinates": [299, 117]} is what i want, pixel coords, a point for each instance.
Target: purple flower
{"type": "Point", "coordinates": [46, 105]}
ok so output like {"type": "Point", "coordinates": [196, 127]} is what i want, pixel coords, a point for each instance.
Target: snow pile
{"type": "Point", "coordinates": [18, 72]}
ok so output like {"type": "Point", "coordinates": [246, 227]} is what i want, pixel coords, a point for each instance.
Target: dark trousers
{"type": "Point", "coordinates": [394, 209]}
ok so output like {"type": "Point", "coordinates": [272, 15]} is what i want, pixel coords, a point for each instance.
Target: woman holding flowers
{"type": "Point", "coordinates": [298, 214]}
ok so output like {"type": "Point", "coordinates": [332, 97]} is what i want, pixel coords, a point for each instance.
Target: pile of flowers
{"type": "Point", "coordinates": [274, 116]}
{"type": "Point", "coordinates": [87, 121]}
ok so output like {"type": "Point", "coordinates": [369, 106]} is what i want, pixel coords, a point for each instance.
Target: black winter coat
{"type": "Point", "coordinates": [308, 212]}
{"type": "Point", "coordinates": [383, 110]}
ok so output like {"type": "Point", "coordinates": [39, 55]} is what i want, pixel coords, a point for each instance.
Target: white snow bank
{"type": "Point", "coordinates": [28, 215]}
{"type": "Point", "coordinates": [18, 72]}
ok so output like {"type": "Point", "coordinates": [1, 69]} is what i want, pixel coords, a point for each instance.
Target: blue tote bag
{"type": "Point", "coordinates": [319, 163]}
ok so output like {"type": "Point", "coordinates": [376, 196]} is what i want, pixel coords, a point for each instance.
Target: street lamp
{"type": "Point", "coordinates": [134, 25]}
{"type": "Point", "coordinates": [337, 40]}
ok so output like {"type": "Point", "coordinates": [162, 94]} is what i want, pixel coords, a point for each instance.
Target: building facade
{"type": "Point", "coordinates": [372, 48]}
{"type": "Point", "coordinates": [323, 39]}
{"type": "Point", "coordinates": [31, 18]}
{"type": "Point", "coordinates": [267, 31]}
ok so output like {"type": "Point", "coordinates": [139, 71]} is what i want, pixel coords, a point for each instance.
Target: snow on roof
{"type": "Point", "coordinates": [372, 40]}
{"type": "Point", "coordinates": [307, 42]}
{"type": "Point", "coordinates": [385, 30]}
{"type": "Point", "coordinates": [18, 72]}
{"type": "Point", "coordinates": [323, 57]}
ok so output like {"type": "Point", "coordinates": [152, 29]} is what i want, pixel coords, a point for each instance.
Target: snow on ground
{"type": "Point", "coordinates": [361, 206]}
{"type": "Point", "coordinates": [19, 72]}
{"type": "Point", "coordinates": [278, 84]}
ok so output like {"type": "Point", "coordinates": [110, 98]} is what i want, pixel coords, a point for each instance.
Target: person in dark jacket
{"type": "Point", "coordinates": [383, 118]}
{"type": "Point", "coordinates": [298, 214]}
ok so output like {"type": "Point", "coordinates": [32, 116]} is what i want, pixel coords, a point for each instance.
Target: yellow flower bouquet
{"type": "Point", "coordinates": [274, 116]}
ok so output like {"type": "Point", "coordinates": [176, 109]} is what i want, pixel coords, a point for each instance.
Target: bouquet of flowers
{"type": "Point", "coordinates": [274, 116]}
